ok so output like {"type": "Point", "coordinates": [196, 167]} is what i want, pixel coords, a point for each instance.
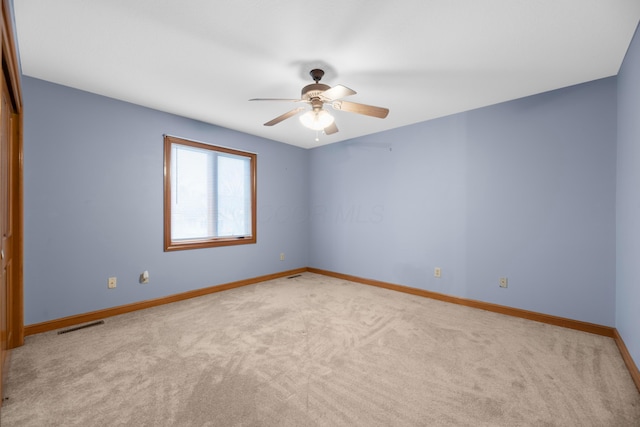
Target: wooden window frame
{"type": "Point", "coordinates": [182, 244]}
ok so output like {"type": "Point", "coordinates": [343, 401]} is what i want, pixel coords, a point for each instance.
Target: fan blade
{"type": "Point", "coordinates": [277, 99]}
{"type": "Point", "coordinates": [367, 110]}
{"type": "Point", "coordinates": [284, 116]}
{"type": "Point", "coordinates": [332, 128]}
{"type": "Point", "coordinates": [336, 92]}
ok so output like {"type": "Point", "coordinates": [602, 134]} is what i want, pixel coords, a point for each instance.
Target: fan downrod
{"type": "Point", "coordinates": [316, 74]}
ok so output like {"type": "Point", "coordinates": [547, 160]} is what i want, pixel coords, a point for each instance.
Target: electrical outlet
{"type": "Point", "coordinates": [437, 272]}
{"type": "Point", "coordinates": [504, 283]}
{"type": "Point", "coordinates": [112, 282]}
{"type": "Point", "coordinates": [282, 256]}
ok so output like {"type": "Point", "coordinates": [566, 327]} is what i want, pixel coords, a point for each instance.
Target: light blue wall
{"type": "Point", "coordinates": [392, 206]}
{"type": "Point", "coordinates": [628, 202]}
{"type": "Point", "coordinates": [93, 205]}
{"type": "Point", "coordinates": [523, 189]}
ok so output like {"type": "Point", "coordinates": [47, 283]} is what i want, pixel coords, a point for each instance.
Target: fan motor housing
{"type": "Point", "coordinates": [313, 90]}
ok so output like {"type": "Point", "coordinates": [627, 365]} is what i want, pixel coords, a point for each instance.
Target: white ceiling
{"type": "Point", "coordinates": [422, 59]}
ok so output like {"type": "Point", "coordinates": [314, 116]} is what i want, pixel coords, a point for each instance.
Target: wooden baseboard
{"type": "Point", "coordinates": [78, 319]}
{"type": "Point", "coordinates": [628, 360]}
{"type": "Point", "coordinates": [114, 311]}
{"type": "Point", "coordinates": [515, 312]}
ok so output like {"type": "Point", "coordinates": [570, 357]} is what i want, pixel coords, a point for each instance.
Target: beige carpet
{"type": "Point", "coordinates": [318, 351]}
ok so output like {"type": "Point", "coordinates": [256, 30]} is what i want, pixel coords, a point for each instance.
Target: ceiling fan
{"type": "Point", "coordinates": [317, 94]}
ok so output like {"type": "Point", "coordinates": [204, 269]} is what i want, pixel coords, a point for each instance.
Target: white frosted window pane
{"type": "Point", "coordinates": [234, 196]}
{"type": "Point", "coordinates": [192, 195]}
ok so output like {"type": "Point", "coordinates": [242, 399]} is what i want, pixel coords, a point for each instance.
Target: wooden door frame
{"type": "Point", "coordinates": [12, 311]}
{"type": "Point", "coordinates": [11, 74]}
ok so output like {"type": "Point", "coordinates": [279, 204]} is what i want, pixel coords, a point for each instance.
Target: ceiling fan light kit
{"type": "Point", "coordinates": [317, 94]}
{"type": "Point", "coordinates": [316, 120]}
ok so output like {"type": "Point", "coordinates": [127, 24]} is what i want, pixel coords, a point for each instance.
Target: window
{"type": "Point", "coordinates": [209, 195]}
